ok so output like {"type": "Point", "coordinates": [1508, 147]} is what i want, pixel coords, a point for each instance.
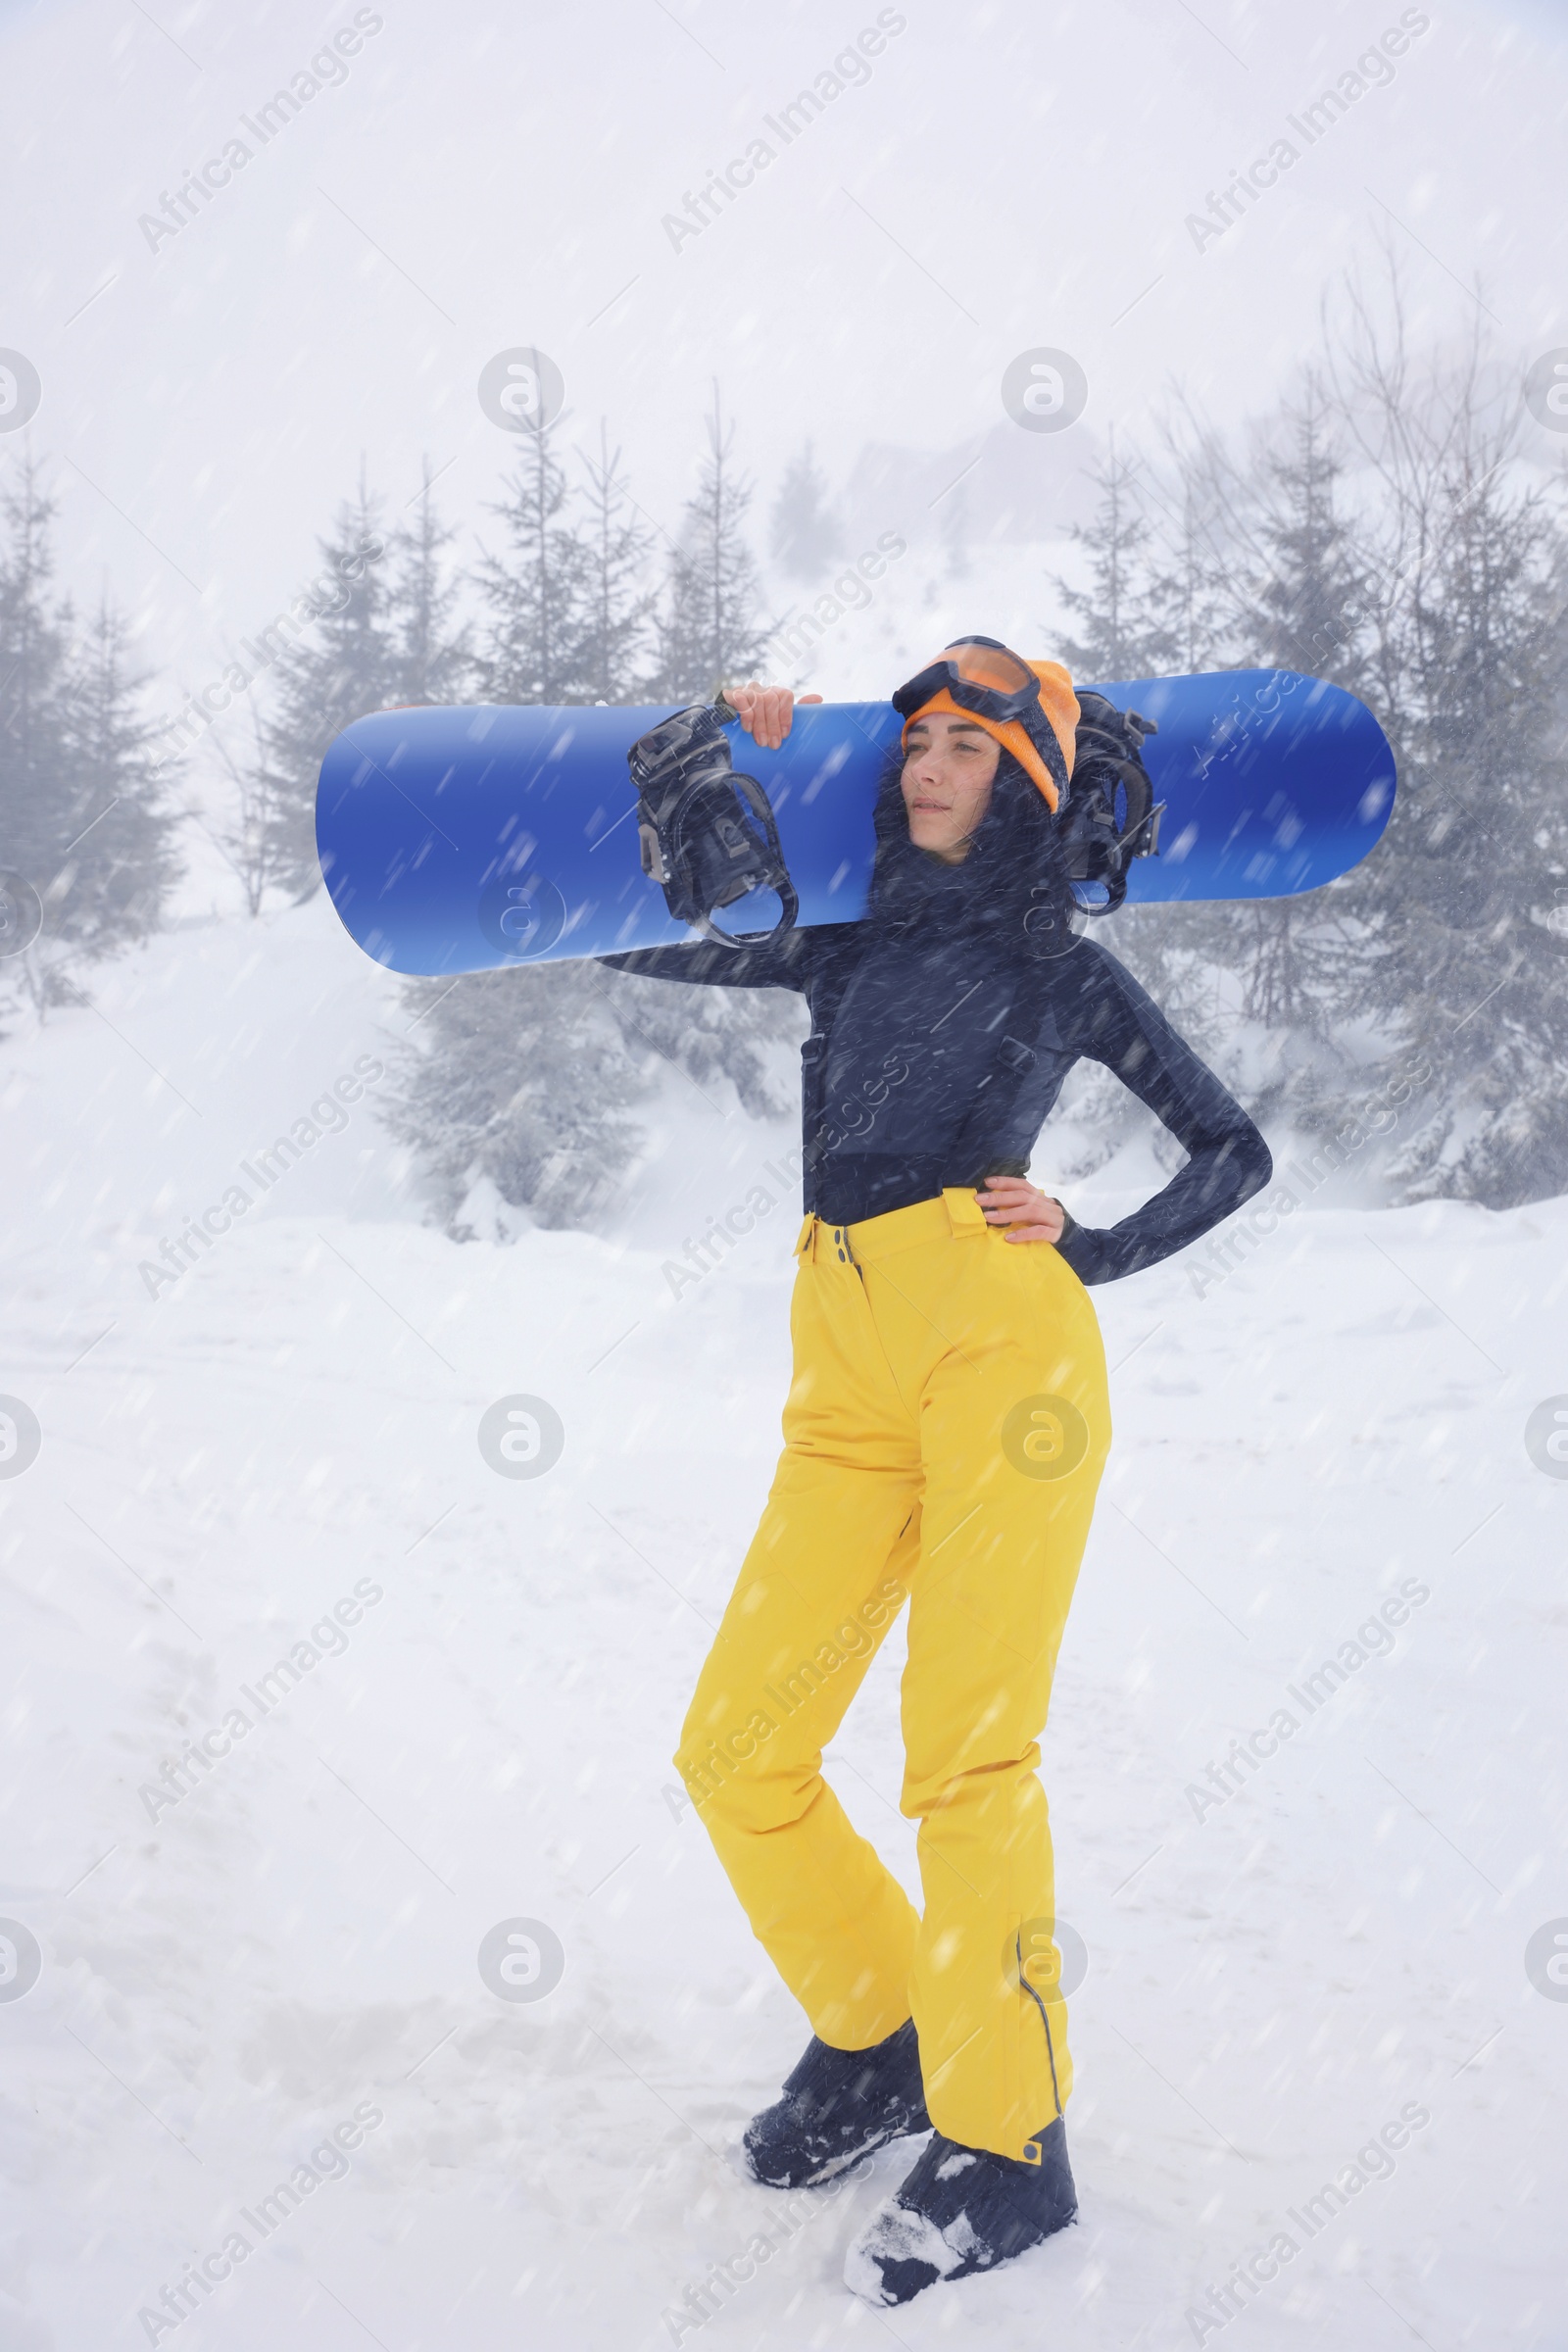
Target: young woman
{"type": "Point", "coordinates": [945, 1433]}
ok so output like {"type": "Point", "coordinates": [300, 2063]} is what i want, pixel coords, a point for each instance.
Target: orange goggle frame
{"type": "Point", "coordinates": [985, 676]}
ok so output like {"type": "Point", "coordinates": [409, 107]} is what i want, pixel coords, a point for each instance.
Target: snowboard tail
{"type": "Point", "coordinates": [461, 839]}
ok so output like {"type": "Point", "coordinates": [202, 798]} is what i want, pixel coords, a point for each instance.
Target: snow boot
{"type": "Point", "coordinates": [961, 2209]}
{"type": "Point", "coordinates": [837, 2106]}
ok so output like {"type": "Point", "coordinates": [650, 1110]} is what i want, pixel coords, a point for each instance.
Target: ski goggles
{"type": "Point", "coordinates": [984, 679]}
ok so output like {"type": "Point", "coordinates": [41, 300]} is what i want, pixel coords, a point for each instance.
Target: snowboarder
{"type": "Point", "coordinates": [945, 1431]}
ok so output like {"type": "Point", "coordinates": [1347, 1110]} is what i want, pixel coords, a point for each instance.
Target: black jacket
{"type": "Point", "coordinates": [933, 1062]}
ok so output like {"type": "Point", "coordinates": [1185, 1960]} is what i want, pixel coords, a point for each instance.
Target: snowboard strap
{"type": "Point", "coordinates": [707, 835]}
{"type": "Point", "coordinates": [1108, 760]}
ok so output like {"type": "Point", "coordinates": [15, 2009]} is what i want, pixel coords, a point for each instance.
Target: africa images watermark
{"type": "Point", "coordinates": [858, 1106]}
{"type": "Point", "coordinates": [797, 632]}
{"type": "Point", "coordinates": [198, 2281]}
{"type": "Point", "coordinates": [707, 2297]}
{"type": "Point", "coordinates": [319, 598]}
{"type": "Point", "coordinates": [328, 1638]}
{"type": "Point", "coordinates": [850, 69]}
{"type": "Point", "coordinates": [1372, 1639]}
{"type": "Point", "coordinates": [724, 1231]}
{"type": "Point", "coordinates": [705, 1772]}
{"type": "Point", "coordinates": [198, 189]}
{"type": "Point", "coordinates": [1373, 69]}
{"type": "Point", "coordinates": [327, 1116]}
{"type": "Point", "coordinates": [1252, 2273]}
{"type": "Point", "coordinates": [1229, 1247]}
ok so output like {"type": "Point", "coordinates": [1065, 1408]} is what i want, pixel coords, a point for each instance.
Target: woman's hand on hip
{"type": "Point", "coordinates": [1027, 1213]}
{"type": "Point", "coordinates": [765, 711]}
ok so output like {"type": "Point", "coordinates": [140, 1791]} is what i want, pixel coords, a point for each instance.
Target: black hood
{"type": "Point", "coordinates": [1014, 861]}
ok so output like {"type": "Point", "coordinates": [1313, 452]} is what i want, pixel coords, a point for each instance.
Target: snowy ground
{"type": "Point", "coordinates": [297, 1936]}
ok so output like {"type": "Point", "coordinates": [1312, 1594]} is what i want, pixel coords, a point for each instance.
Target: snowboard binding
{"type": "Point", "coordinates": [708, 834]}
{"type": "Point", "coordinates": [1097, 847]}
{"type": "Point", "coordinates": [1107, 816]}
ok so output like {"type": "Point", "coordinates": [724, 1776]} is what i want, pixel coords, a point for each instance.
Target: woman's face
{"type": "Point", "coordinates": [949, 767]}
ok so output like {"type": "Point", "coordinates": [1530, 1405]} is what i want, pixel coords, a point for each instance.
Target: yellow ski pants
{"type": "Point", "coordinates": [945, 1431]}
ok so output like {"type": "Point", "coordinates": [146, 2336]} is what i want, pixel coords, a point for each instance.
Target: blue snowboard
{"type": "Point", "coordinates": [462, 840]}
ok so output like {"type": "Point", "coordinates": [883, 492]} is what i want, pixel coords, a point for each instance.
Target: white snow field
{"type": "Point", "coordinates": [267, 1971]}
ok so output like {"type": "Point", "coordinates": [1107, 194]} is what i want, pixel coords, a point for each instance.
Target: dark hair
{"type": "Point", "coordinates": [1013, 870]}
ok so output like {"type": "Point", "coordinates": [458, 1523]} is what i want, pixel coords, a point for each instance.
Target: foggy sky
{"type": "Point", "coordinates": [999, 179]}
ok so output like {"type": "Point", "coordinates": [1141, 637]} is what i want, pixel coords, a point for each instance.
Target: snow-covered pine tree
{"type": "Point", "coordinates": [1124, 632]}
{"type": "Point", "coordinates": [524, 1080]}
{"type": "Point", "coordinates": [1465, 970]}
{"type": "Point", "coordinates": [1192, 571]}
{"type": "Point", "coordinates": [341, 665]}
{"type": "Point", "coordinates": [123, 860]}
{"type": "Point", "coordinates": [1123, 617]}
{"type": "Point", "coordinates": [746, 1035]}
{"type": "Point", "coordinates": [1310, 601]}
{"type": "Point", "coordinates": [431, 659]}
{"type": "Point", "coordinates": [1302, 607]}
{"type": "Point", "coordinates": [35, 787]}
{"type": "Point", "coordinates": [521, 1079]}
{"type": "Point", "coordinates": [711, 630]}
{"type": "Point", "coordinates": [618, 599]}
{"type": "Point", "coordinates": [534, 639]}
{"type": "Point", "coordinates": [696, 1030]}
{"type": "Point", "coordinates": [84, 820]}
{"type": "Point", "coordinates": [805, 534]}
{"type": "Point", "coordinates": [527, 1079]}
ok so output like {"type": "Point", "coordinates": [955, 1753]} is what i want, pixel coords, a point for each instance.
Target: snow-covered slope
{"type": "Point", "coordinates": [278, 1458]}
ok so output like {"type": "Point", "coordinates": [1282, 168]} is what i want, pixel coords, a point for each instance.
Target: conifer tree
{"type": "Point", "coordinates": [1308, 606]}
{"type": "Point", "coordinates": [521, 1078]}
{"type": "Point", "coordinates": [617, 601]}
{"type": "Point", "coordinates": [528, 1078]}
{"type": "Point", "coordinates": [1125, 635]}
{"type": "Point", "coordinates": [36, 794]}
{"type": "Point", "coordinates": [338, 667]}
{"type": "Point", "coordinates": [534, 644]}
{"type": "Point", "coordinates": [1192, 589]}
{"type": "Point", "coordinates": [1300, 610]}
{"type": "Point", "coordinates": [526, 1081]}
{"type": "Point", "coordinates": [84, 819]}
{"type": "Point", "coordinates": [431, 657]}
{"type": "Point", "coordinates": [123, 860]}
{"type": "Point", "coordinates": [711, 631]}
{"type": "Point", "coordinates": [377, 632]}
{"type": "Point", "coordinates": [1463, 962]}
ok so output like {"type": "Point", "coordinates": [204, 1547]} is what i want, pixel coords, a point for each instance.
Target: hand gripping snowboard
{"type": "Point", "coordinates": [463, 839]}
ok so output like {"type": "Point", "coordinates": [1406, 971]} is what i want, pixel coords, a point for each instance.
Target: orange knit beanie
{"type": "Point", "coordinates": [1060, 706]}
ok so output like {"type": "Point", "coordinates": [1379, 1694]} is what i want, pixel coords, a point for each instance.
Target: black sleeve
{"type": "Point", "coordinates": [1107, 1017]}
{"type": "Point", "coordinates": [783, 962]}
